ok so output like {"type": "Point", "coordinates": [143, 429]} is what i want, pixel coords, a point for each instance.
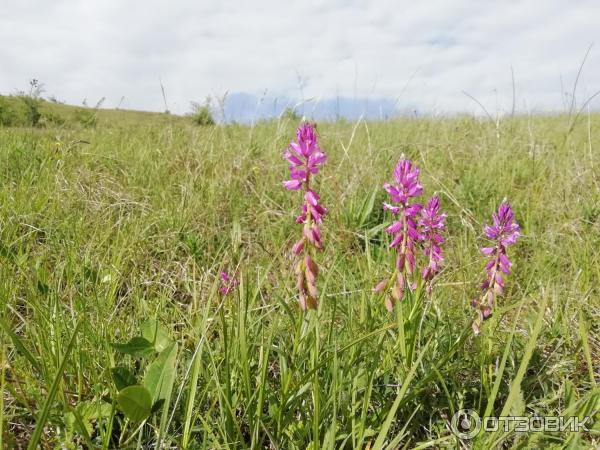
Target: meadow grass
{"type": "Point", "coordinates": [105, 230]}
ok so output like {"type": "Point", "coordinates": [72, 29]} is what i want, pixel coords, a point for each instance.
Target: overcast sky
{"type": "Point", "coordinates": [423, 54]}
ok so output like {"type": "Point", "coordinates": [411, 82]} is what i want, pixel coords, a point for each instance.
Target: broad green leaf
{"type": "Point", "coordinates": [81, 417]}
{"type": "Point", "coordinates": [122, 377]}
{"type": "Point", "coordinates": [160, 375]}
{"type": "Point", "coordinates": [154, 333]}
{"type": "Point", "coordinates": [367, 207]}
{"type": "Point", "coordinates": [75, 423]}
{"type": "Point", "coordinates": [94, 410]}
{"type": "Point", "coordinates": [137, 346]}
{"type": "Point", "coordinates": [518, 406]}
{"type": "Point", "coordinates": [135, 402]}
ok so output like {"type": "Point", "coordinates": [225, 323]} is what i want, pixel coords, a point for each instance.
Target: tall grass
{"type": "Point", "coordinates": [137, 225]}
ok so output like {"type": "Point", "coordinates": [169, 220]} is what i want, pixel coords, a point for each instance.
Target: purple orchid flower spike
{"type": "Point", "coordinates": [504, 232]}
{"type": "Point", "coordinates": [431, 225]}
{"type": "Point", "coordinates": [407, 183]}
{"type": "Point", "coordinates": [415, 225]}
{"type": "Point", "coordinates": [404, 230]}
{"type": "Point", "coordinates": [228, 283]}
{"type": "Point", "coordinates": [306, 158]}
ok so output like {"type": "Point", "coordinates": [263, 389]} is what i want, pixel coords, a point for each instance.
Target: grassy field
{"type": "Point", "coordinates": [112, 232]}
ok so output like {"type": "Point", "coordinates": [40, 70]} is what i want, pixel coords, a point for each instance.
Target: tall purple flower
{"type": "Point", "coordinates": [228, 283]}
{"type": "Point", "coordinates": [431, 224]}
{"type": "Point", "coordinates": [504, 232]}
{"type": "Point", "coordinates": [414, 225]}
{"type": "Point", "coordinates": [305, 158]}
{"type": "Point", "coordinates": [404, 230]}
{"type": "Point", "coordinates": [407, 183]}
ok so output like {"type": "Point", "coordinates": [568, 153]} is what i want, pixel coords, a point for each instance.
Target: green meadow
{"type": "Point", "coordinates": [113, 333]}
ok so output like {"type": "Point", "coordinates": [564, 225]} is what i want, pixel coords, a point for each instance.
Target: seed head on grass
{"type": "Point", "coordinates": [504, 232]}
{"type": "Point", "coordinates": [305, 158]}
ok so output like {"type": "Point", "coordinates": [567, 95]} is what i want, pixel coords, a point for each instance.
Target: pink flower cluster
{"type": "Point", "coordinates": [305, 158]}
{"type": "Point", "coordinates": [228, 283]}
{"type": "Point", "coordinates": [415, 225]}
{"type": "Point", "coordinates": [417, 229]}
{"type": "Point", "coordinates": [431, 223]}
{"type": "Point", "coordinates": [504, 232]}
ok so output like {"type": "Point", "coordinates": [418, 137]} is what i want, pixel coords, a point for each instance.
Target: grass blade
{"type": "Point", "coordinates": [515, 386]}
{"type": "Point", "coordinates": [392, 412]}
{"type": "Point", "coordinates": [18, 343]}
{"type": "Point", "coordinates": [43, 416]}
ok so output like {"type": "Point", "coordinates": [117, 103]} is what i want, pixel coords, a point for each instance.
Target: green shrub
{"type": "Point", "coordinates": [86, 117]}
{"type": "Point", "coordinates": [291, 115]}
{"type": "Point", "coordinates": [51, 119]}
{"type": "Point", "coordinates": [32, 101]}
{"type": "Point", "coordinates": [201, 114]}
{"type": "Point", "coordinates": [8, 116]}
{"type": "Point", "coordinates": [32, 109]}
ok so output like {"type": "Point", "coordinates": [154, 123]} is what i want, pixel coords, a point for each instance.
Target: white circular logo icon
{"type": "Point", "coordinates": [465, 424]}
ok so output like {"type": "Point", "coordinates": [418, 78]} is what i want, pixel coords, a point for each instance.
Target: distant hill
{"type": "Point", "coordinates": [242, 107]}
{"type": "Point", "coordinates": [22, 111]}
{"type": "Point", "coordinates": [237, 108]}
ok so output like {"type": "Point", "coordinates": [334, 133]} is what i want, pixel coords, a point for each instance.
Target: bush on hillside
{"type": "Point", "coordinates": [291, 115]}
{"type": "Point", "coordinates": [202, 114]}
{"type": "Point", "coordinates": [32, 101]}
{"type": "Point", "coordinates": [88, 117]}
{"type": "Point", "coordinates": [85, 117]}
{"type": "Point", "coordinates": [8, 116]}
{"type": "Point", "coordinates": [51, 119]}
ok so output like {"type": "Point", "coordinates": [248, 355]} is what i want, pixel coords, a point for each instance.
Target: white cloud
{"type": "Point", "coordinates": [92, 49]}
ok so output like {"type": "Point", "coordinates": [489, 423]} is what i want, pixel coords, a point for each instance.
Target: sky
{"type": "Point", "coordinates": [428, 57]}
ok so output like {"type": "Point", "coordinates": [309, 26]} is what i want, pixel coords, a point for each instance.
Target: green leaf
{"type": "Point", "coordinates": [367, 207]}
{"type": "Point", "coordinates": [492, 396]}
{"type": "Point", "coordinates": [94, 410]}
{"type": "Point", "coordinates": [157, 406]}
{"type": "Point", "coordinates": [45, 412]}
{"type": "Point", "coordinates": [585, 345]}
{"type": "Point", "coordinates": [21, 348]}
{"type": "Point", "coordinates": [514, 394]}
{"type": "Point", "coordinates": [137, 346]}
{"type": "Point", "coordinates": [135, 402]}
{"type": "Point", "coordinates": [518, 406]}
{"type": "Point", "coordinates": [75, 423]}
{"type": "Point", "coordinates": [392, 411]}
{"type": "Point", "coordinates": [80, 418]}
{"type": "Point", "coordinates": [154, 333]}
{"type": "Point", "coordinates": [122, 377]}
{"type": "Point", "coordinates": [160, 375]}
